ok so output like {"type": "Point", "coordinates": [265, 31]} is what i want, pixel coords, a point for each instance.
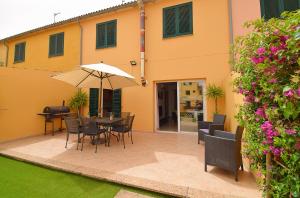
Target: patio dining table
{"type": "Point", "coordinates": [108, 123]}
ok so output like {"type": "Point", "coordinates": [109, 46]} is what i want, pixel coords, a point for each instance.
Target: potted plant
{"type": "Point", "coordinates": [214, 92]}
{"type": "Point", "coordinates": [78, 101]}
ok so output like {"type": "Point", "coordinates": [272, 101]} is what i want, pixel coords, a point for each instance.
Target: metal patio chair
{"type": "Point", "coordinates": [73, 127]}
{"type": "Point", "coordinates": [126, 127]}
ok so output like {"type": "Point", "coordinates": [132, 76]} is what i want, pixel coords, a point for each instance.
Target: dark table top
{"type": "Point", "coordinates": [107, 120]}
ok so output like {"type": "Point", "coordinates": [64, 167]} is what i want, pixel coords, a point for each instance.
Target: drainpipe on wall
{"type": "Point", "coordinates": [7, 49]}
{"type": "Point", "coordinates": [80, 45]}
{"type": "Point", "coordinates": [142, 41]}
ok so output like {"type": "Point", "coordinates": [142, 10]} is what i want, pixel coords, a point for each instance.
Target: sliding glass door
{"type": "Point", "coordinates": [191, 105]}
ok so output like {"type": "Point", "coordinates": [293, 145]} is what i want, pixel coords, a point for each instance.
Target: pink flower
{"type": "Point", "coordinates": [288, 93]}
{"type": "Point", "coordinates": [258, 60]}
{"type": "Point", "coordinates": [276, 32]}
{"type": "Point", "coordinates": [265, 152]}
{"type": "Point", "coordinates": [270, 70]}
{"type": "Point", "coordinates": [284, 38]}
{"type": "Point", "coordinates": [273, 80]}
{"type": "Point", "coordinates": [290, 131]}
{"type": "Point", "coordinates": [266, 125]}
{"type": "Point", "coordinates": [274, 49]}
{"type": "Point", "coordinates": [298, 91]}
{"type": "Point", "coordinates": [261, 112]}
{"type": "Point", "coordinates": [260, 51]}
{"type": "Point", "coordinates": [297, 146]}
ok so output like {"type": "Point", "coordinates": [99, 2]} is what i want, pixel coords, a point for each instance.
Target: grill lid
{"type": "Point", "coordinates": [56, 109]}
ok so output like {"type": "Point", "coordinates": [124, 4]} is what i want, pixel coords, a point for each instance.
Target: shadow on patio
{"type": "Point", "coordinates": [167, 163]}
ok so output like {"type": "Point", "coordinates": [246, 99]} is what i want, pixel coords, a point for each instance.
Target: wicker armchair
{"type": "Point", "coordinates": [224, 150]}
{"type": "Point", "coordinates": [208, 128]}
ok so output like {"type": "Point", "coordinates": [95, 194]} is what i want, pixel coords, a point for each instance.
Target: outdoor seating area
{"type": "Point", "coordinates": [168, 163]}
{"type": "Point", "coordinates": [94, 127]}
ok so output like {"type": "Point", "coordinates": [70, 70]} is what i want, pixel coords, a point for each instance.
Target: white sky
{"type": "Point", "coordinates": [17, 16]}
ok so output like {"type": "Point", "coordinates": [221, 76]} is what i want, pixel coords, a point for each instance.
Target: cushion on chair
{"type": "Point", "coordinates": [204, 130]}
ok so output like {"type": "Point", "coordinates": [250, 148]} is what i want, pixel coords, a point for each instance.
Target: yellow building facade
{"type": "Point", "coordinates": [201, 55]}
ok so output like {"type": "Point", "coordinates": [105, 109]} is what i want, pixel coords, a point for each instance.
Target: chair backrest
{"type": "Point", "coordinates": [219, 119]}
{"type": "Point", "coordinates": [239, 133]}
{"type": "Point", "coordinates": [84, 120]}
{"type": "Point", "coordinates": [124, 115]}
{"type": "Point", "coordinates": [72, 124]}
{"type": "Point", "coordinates": [106, 114]}
{"type": "Point", "coordinates": [91, 127]}
{"type": "Point", "coordinates": [130, 122]}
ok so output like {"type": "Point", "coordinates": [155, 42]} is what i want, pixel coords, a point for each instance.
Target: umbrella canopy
{"type": "Point", "coordinates": [100, 75]}
{"type": "Point", "coordinates": [89, 76]}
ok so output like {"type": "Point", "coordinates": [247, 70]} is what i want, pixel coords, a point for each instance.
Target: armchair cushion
{"type": "Point", "coordinates": [224, 134]}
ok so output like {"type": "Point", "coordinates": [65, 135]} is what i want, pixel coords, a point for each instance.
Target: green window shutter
{"type": "Point", "coordinates": [169, 22]}
{"type": "Point", "coordinates": [19, 52]}
{"type": "Point", "coordinates": [270, 8]}
{"type": "Point", "coordinates": [22, 51]}
{"type": "Point", "coordinates": [101, 32]}
{"type": "Point", "coordinates": [106, 34]}
{"type": "Point", "coordinates": [56, 44]}
{"type": "Point", "coordinates": [117, 103]}
{"type": "Point", "coordinates": [178, 20]}
{"type": "Point", "coordinates": [16, 53]}
{"type": "Point", "coordinates": [291, 5]}
{"type": "Point", "coordinates": [185, 23]}
{"type": "Point", "coordinates": [111, 33]}
{"type": "Point", "coordinates": [60, 44]}
{"type": "Point", "coordinates": [93, 104]}
{"type": "Point", "coordinates": [52, 45]}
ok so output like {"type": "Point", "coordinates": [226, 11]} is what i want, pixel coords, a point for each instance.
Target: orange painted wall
{"type": "Point", "coordinates": [242, 11]}
{"type": "Point", "coordinates": [23, 94]}
{"type": "Point", "coordinates": [203, 55]}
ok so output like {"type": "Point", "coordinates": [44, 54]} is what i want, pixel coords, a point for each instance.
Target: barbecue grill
{"type": "Point", "coordinates": [52, 112]}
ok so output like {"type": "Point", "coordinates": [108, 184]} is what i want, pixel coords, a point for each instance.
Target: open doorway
{"type": "Point", "coordinates": [167, 106]}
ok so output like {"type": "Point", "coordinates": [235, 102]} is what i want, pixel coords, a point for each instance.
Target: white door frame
{"type": "Point", "coordinates": [156, 112]}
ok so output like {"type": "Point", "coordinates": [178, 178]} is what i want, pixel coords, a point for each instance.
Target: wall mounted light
{"type": "Point", "coordinates": [133, 63]}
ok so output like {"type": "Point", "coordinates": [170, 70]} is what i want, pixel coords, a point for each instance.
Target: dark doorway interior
{"type": "Point", "coordinates": [167, 106]}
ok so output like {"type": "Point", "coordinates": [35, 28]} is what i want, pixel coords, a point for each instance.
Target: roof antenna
{"type": "Point", "coordinates": [54, 15]}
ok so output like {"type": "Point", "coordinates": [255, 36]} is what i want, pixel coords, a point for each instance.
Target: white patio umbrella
{"type": "Point", "coordinates": [100, 76]}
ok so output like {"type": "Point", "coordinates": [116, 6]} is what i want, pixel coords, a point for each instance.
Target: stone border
{"type": "Point", "coordinates": [149, 185]}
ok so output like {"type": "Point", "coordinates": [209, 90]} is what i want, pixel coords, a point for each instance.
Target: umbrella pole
{"type": "Point", "coordinates": [100, 99]}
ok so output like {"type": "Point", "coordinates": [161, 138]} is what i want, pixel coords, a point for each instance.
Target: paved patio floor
{"type": "Point", "coordinates": [163, 162]}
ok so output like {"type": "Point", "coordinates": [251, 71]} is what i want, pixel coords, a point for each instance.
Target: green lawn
{"type": "Point", "coordinates": [19, 179]}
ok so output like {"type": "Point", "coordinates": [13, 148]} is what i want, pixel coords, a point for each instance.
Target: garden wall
{"type": "Point", "coordinates": [23, 94]}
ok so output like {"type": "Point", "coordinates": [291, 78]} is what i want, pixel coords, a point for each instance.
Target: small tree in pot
{"type": "Point", "coordinates": [78, 101]}
{"type": "Point", "coordinates": [214, 92]}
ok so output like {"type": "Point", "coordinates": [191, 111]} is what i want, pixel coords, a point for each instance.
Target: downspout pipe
{"type": "Point", "coordinates": [142, 41]}
{"type": "Point", "coordinates": [7, 50]}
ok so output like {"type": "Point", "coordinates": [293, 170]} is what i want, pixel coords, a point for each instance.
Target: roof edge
{"type": "Point", "coordinates": [73, 19]}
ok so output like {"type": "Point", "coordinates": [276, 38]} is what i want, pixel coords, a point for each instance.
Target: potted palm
{"type": "Point", "coordinates": [78, 101]}
{"type": "Point", "coordinates": [214, 92]}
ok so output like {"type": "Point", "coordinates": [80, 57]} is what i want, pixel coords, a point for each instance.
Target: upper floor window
{"type": "Point", "coordinates": [178, 20]}
{"type": "Point", "coordinates": [19, 52]}
{"type": "Point", "coordinates": [106, 34]}
{"type": "Point", "coordinates": [273, 8]}
{"type": "Point", "coordinates": [56, 44]}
